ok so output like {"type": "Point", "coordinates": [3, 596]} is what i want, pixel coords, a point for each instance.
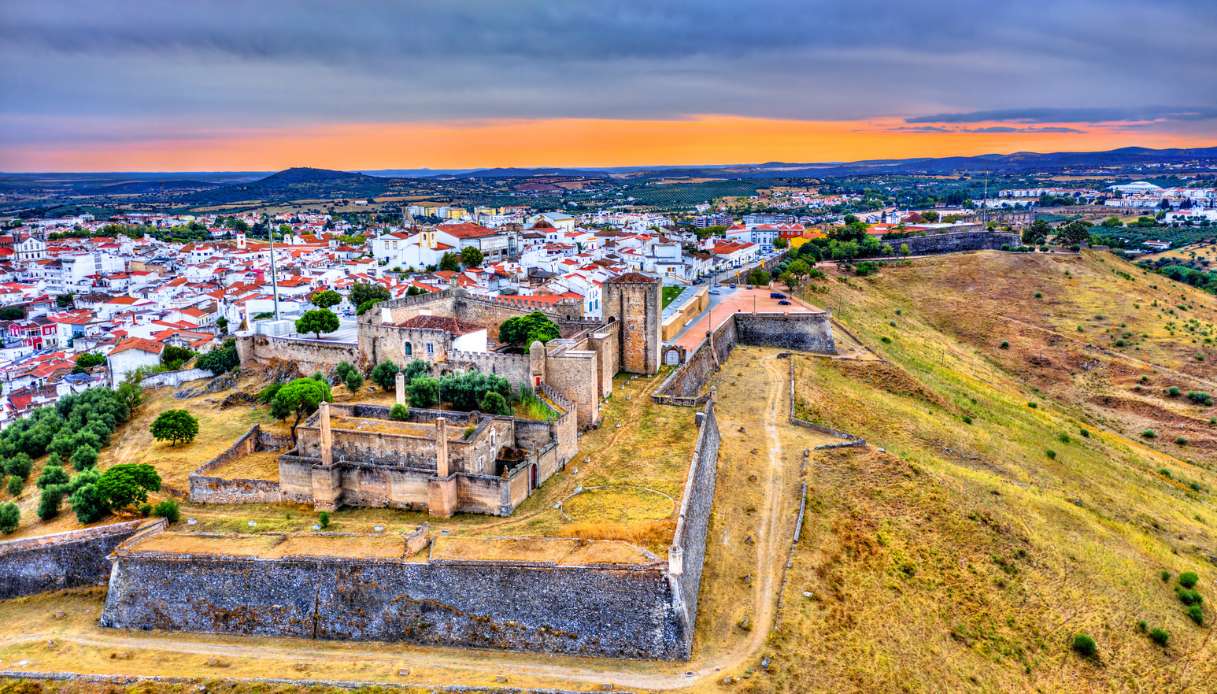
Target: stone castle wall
{"type": "Point", "coordinates": [64, 560]}
{"type": "Point", "coordinates": [684, 386]}
{"type": "Point", "coordinates": [805, 332]}
{"type": "Point", "coordinates": [206, 488]}
{"type": "Point", "coordinates": [309, 355]}
{"type": "Point", "coordinates": [686, 558]}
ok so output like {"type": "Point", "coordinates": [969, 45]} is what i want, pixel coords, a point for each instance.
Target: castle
{"type": "Point", "coordinates": [448, 462]}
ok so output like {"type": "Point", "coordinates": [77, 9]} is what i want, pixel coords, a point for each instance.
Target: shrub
{"type": "Point", "coordinates": [344, 369]}
{"type": "Point", "coordinates": [416, 368]}
{"type": "Point", "coordinates": [175, 426]}
{"type": "Point", "coordinates": [84, 458]}
{"type": "Point", "coordinates": [1084, 645]}
{"type": "Point", "coordinates": [399, 412]}
{"type": "Point", "coordinates": [1085, 433]}
{"type": "Point", "coordinates": [466, 390]}
{"type": "Point", "coordinates": [1165, 575]}
{"type": "Point", "coordinates": [1188, 579]}
{"type": "Point", "coordinates": [1159, 636]}
{"type": "Point", "coordinates": [1149, 434]}
{"type": "Point", "coordinates": [865, 268]}
{"type": "Point", "coordinates": [424, 391]}
{"type": "Point", "coordinates": [1033, 405]}
{"type": "Point", "coordinates": [145, 510]}
{"type": "Point", "coordinates": [967, 419]}
{"type": "Point", "coordinates": [522, 331]}
{"type": "Point", "coordinates": [1004, 345]}
{"type": "Point", "coordinates": [267, 394]}
{"type": "Point", "coordinates": [19, 465]}
{"type": "Point", "coordinates": [10, 516]}
{"type": "Point", "coordinates": [52, 475]}
{"type": "Point", "coordinates": [221, 359]}
{"type": "Point", "coordinates": [1051, 454]}
{"type": "Point", "coordinates": [324, 520]}
{"type": "Point", "coordinates": [15, 485]}
{"type": "Point", "coordinates": [1172, 392]}
{"type": "Point", "coordinates": [1196, 613]}
{"type": "Point", "coordinates": [384, 375]}
{"type": "Point", "coordinates": [167, 509]}
{"type": "Point", "coordinates": [1180, 441]}
{"type": "Point", "coordinates": [494, 403]}
{"type": "Point", "coordinates": [1200, 397]}
{"type": "Point", "coordinates": [1064, 438]}
{"type": "Point", "coordinates": [1188, 596]}
{"type": "Point", "coordinates": [353, 381]}
{"type": "Point", "coordinates": [48, 503]}
{"type": "Point", "coordinates": [173, 357]}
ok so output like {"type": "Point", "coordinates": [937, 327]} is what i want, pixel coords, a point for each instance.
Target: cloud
{"type": "Point", "coordinates": [987, 130]}
{"type": "Point", "coordinates": [1075, 115]}
{"type": "Point", "coordinates": [210, 64]}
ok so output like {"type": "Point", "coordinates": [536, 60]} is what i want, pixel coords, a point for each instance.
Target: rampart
{"type": "Point", "coordinates": [618, 608]}
{"type": "Point", "coordinates": [309, 355]}
{"type": "Point", "coordinates": [206, 488]}
{"type": "Point", "coordinates": [64, 560]}
{"type": "Point", "coordinates": [807, 332]}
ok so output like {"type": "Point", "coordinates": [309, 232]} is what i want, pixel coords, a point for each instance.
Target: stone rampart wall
{"type": "Point", "coordinates": [614, 610]}
{"type": "Point", "coordinates": [686, 558]}
{"type": "Point", "coordinates": [513, 367]}
{"type": "Point", "coordinates": [174, 378]}
{"type": "Point", "coordinates": [684, 385]}
{"type": "Point", "coordinates": [805, 332]}
{"type": "Point", "coordinates": [956, 242]}
{"type": "Point", "coordinates": [309, 355]}
{"type": "Point", "coordinates": [206, 488]}
{"type": "Point", "coordinates": [64, 560]}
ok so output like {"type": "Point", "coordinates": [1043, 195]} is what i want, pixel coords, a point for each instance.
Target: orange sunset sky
{"type": "Point", "coordinates": [709, 139]}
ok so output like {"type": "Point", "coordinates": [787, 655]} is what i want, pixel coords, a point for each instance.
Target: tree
{"type": "Point", "coordinates": [126, 484]}
{"type": "Point", "coordinates": [780, 243]}
{"type": "Point", "coordinates": [84, 457]}
{"type": "Point", "coordinates": [88, 360]}
{"type": "Point", "coordinates": [167, 509]}
{"type": "Point", "coordinates": [175, 426]}
{"type": "Point", "coordinates": [353, 381]}
{"type": "Point", "coordinates": [472, 256]}
{"type": "Point", "coordinates": [416, 368]}
{"type": "Point", "coordinates": [88, 504]}
{"type": "Point", "coordinates": [1036, 233]}
{"type": "Point", "coordinates": [222, 324]}
{"type": "Point", "coordinates": [493, 403]}
{"type": "Point", "coordinates": [399, 412]}
{"type": "Point", "coordinates": [363, 292]}
{"type": "Point", "coordinates": [1074, 232]}
{"type": "Point", "coordinates": [221, 359]}
{"type": "Point", "coordinates": [12, 313]}
{"type": "Point", "coordinates": [384, 375]}
{"type": "Point", "coordinates": [299, 397]}
{"type": "Point", "coordinates": [326, 298]}
{"type": "Point", "coordinates": [449, 261]}
{"type": "Point", "coordinates": [424, 391]}
{"type": "Point", "coordinates": [930, 216]}
{"type": "Point", "coordinates": [52, 475]}
{"type": "Point", "coordinates": [50, 500]}
{"type": "Point", "coordinates": [10, 516]}
{"type": "Point", "coordinates": [18, 465]}
{"type": "Point", "coordinates": [64, 300]}
{"type": "Point", "coordinates": [174, 357]}
{"type": "Point", "coordinates": [758, 277]}
{"type": "Point", "coordinates": [522, 331]}
{"type": "Point", "coordinates": [317, 321]}
{"type": "Point", "coordinates": [130, 395]}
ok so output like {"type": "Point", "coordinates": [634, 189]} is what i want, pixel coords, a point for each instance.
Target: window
{"type": "Point", "coordinates": [430, 349]}
{"type": "Point", "coordinates": [409, 349]}
{"type": "Point", "coordinates": [494, 437]}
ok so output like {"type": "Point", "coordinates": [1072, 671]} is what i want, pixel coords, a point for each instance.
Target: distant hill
{"type": "Point", "coordinates": [295, 184]}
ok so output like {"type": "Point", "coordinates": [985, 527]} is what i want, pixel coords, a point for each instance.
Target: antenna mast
{"type": "Point", "coordinates": [274, 279]}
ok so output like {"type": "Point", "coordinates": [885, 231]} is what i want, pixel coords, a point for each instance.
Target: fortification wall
{"type": "Point", "coordinates": [574, 374]}
{"type": "Point", "coordinates": [174, 378]}
{"type": "Point", "coordinates": [63, 560]}
{"type": "Point", "coordinates": [309, 355]}
{"type": "Point", "coordinates": [615, 610]}
{"type": "Point", "coordinates": [958, 241]}
{"type": "Point", "coordinates": [806, 332]}
{"type": "Point", "coordinates": [206, 488]}
{"type": "Point", "coordinates": [513, 367]}
{"type": "Point", "coordinates": [686, 558]}
{"type": "Point", "coordinates": [684, 385]}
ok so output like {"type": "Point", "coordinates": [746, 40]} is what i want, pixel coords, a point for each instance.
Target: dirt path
{"type": "Point", "coordinates": [460, 665]}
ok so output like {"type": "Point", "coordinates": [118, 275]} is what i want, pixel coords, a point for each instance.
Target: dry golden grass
{"type": "Point", "coordinates": [1193, 251]}
{"type": "Point", "coordinates": [560, 551]}
{"type": "Point", "coordinates": [260, 465]}
{"type": "Point", "coordinates": [967, 556]}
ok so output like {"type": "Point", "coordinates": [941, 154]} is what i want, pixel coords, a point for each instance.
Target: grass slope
{"type": "Point", "coordinates": [965, 556]}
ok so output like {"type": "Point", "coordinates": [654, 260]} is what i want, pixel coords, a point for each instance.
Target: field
{"type": "Point", "coordinates": [1014, 504]}
{"type": "Point", "coordinates": [1203, 253]}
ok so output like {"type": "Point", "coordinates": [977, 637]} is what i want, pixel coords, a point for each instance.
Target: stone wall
{"type": "Point", "coordinates": [805, 332]}
{"type": "Point", "coordinates": [174, 378]}
{"type": "Point", "coordinates": [309, 355]}
{"type": "Point", "coordinates": [64, 560]}
{"type": "Point", "coordinates": [513, 367]}
{"type": "Point", "coordinates": [209, 489]}
{"type": "Point", "coordinates": [955, 242]}
{"type": "Point", "coordinates": [686, 557]}
{"type": "Point", "coordinates": [616, 610]}
{"type": "Point", "coordinates": [684, 385]}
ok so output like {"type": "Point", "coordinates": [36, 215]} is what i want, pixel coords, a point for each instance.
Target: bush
{"type": "Point", "coordinates": [1172, 392]}
{"type": "Point", "coordinates": [967, 419]}
{"type": "Point", "coordinates": [48, 503]}
{"type": "Point", "coordinates": [10, 516]}
{"type": "Point", "coordinates": [866, 268]}
{"type": "Point", "coordinates": [52, 475]}
{"type": "Point", "coordinates": [1149, 434]}
{"type": "Point", "coordinates": [15, 484]}
{"type": "Point", "coordinates": [416, 368]}
{"type": "Point", "coordinates": [465, 391]}
{"type": "Point", "coordinates": [1200, 397]}
{"type": "Point", "coordinates": [175, 426]}
{"type": "Point", "coordinates": [384, 375]}
{"type": "Point", "coordinates": [522, 331]}
{"type": "Point", "coordinates": [324, 520]}
{"type": "Point", "coordinates": [424, 391]}
{"type": "Point", "coordinates": [84, 458]}
{"type": "Point", "coordinates": [399, 412]}
{"type": "Point", "coordinates": [221, 359]}
{"type": "Point", "coordinates": [1196, 613]}
{"type": "Point", "coordinates": [1188, 579]}
{"type": "Point", "coordinates": [1004, 345]}
{"type": "Point", "coordinates": [267, 394]}
{"type": "Point", "coordinates": [167, 509]}
{"type": "Point", "coordinates": [494, 403]}
{"type": "Point", "coordinates": [1084, 645]}
{"type": "Point", "coordinates": [353, 381]}
{"type": "Point", "coordinates": [344, 369]}
{"type": "Point", "coordinates": [1188, 596]}
{"type": "Point", "coordinates": [1051, 454]}
{"type": "Point", "coordinates": [145, 510]}
{"type": "Point", "coordinates": [1159, 636]}
{"type": "Point", "coordinates": [173, 357]}
{"type": "Point", "coordinates": [1165, 575]}
{"type": "Point", "coordinates": [19, 466]}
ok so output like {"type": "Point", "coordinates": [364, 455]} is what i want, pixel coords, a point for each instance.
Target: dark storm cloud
{"type": "Point", "coordinates": [198, 65]}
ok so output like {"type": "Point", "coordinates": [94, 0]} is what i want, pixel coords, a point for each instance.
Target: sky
{"type": "Point", "coordinates": [198, 85]}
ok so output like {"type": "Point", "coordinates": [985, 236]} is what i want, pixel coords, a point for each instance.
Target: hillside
{"type": "Point", "coordinates": [300, 183]}
{"type": "Point", "coordinates": [1009, 500]}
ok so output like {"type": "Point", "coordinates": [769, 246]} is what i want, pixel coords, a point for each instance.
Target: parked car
{"type": "Point", "coordinates": [783, 302]}
{"type": "Point", "coordinates": [776, 295]}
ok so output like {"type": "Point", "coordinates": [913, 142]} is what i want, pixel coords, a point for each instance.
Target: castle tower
{"type": "Point", "coordinates": [635, 301]}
